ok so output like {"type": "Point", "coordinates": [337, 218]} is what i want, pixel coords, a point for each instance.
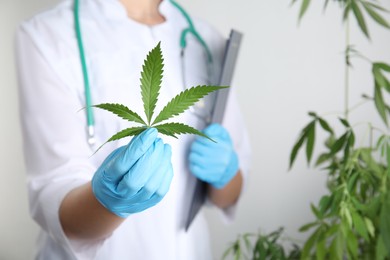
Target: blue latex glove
{"type": "Point", "coordinates": [214, 163]}
{"type": "Point", "coordinates": [134, 177]}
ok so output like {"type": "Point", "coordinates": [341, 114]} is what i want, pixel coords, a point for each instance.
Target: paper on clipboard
{"type": "Point", "coordinates": [218, 112]}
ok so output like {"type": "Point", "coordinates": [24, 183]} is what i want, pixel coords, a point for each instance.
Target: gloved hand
{"type": "Point", "coordinates": [134, 177]}
{"type": "Point", "coordinates": [214, 163]}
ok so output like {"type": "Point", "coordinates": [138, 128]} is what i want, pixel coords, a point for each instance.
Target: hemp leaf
{"type": "Point", "coordinates": [151, 78]}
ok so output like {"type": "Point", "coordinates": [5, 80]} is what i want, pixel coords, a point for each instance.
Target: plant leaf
{"type": "Point", "coordinates": [304, 6]}
{"type": "Point", "coordinates": [122, 111]}
{"type": "Point", "coordinates": [360, 18]}
{"type": "Point", "coordinates": [344, 122]}
{"type": "Point", "coordinates": [326, 4]}
{"type": "Point", "coordinates": [347, 9]}
{"type": "Point", "coordinates": [374, 15]}
{"type": "Point", "coordinates": [296, 148]}
{"type": "Point", "coordinates": [151, 77]}
{"type": "Point", "coordinates": [173, 129]}
{"type": "Point", "coordinates": [312, 114]}
{"type": "Point", "coordinates": [380, 78]}
{"type": "Point", "coordinates": [352, 182]}
{"type": "Point", "coordinates": [353, 245]}
{"type": "Point", "coordinates": [307, 226]}
{"type": "Point", "coordinates": [384, 224]}
{"type": "Point", "coordinates": [370, 227]}
{"type": "Point", "coordinates": [349, 145]}
{"type": "Point", "coordinates": [336, 247]}
{"type": "Point", "coordinates": [380, 249]}
{"type": "Point", "coordinates": [183, 101]}
{"type": "Point", "coordinates": [325, 203]}
{"type": "Point", "coordinates": [321, 247]}
{"type": "Point", "coordinates": [360, 225]}
{"type": "Point", "coordinates": [325, 125]}
{"type": "Point", "coordinates": [227, 252]}
{"type": "Point", "coordinates": [322, 158]}
{"type": "Point", "coordinates": [376, 6]}
{"type": "Point", "coordinates": [315, 211]}
{"type": "Point", "coordinates": [383, 66]}
{"type": "Point", "coordinates": [338, 145]}
{"type": "Point", "coordinates": [309, 244]}
{"type": "Point", "coordinates": [380, 103]}
{"type": "Point", "coordinates": [132, 131]}
{"type": "Point", "coordinates": [310, 142]}
{"type": "Point", "coordinates": [388, 159]}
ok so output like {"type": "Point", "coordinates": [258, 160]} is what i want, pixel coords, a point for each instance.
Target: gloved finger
{"type": "Point", "coordinates": [215, 130]}
{"type": "Point", "coordinates": [209, 164]}
{"type": "Point", "coordinates": [198, 159]}
{"type": "Point", "coordinates": [156, 197]}
{"type": "Point", "coordinates": [156, 178]}
{"type": "Point", "coordinates": [204, 174]}
{"type": "Point", "coordinates": [207, 150]}
{"type": "Point", "coordinates": [134, 150]}
{"type": "Point", "coordinates": [164, 187]}
{"type": "Point", "coordinates": [219, 140]}
{"type": "Point", "coordinates": [112, 155]}
{"type": "Point", "coordinates": [133, 181]}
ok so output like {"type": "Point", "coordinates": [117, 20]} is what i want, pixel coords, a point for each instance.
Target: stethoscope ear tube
{"type": "Point", "coordinates": [191, 29]}
{"type": "Point", "coordinates": [88, 100]}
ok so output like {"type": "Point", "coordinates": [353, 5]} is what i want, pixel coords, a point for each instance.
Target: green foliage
{"type": "Point", "coordinates": [261, 247]}
{"type": "Point", "coordinates": [183, 101]}
{"type": "Point", "coordinates": [357, 7]}
{"type": "Point", "coordinates": [132, 131]}
{"type": "Point", "coordinates": [122, 111]}
{"type": "Point", "coordinates": [151, 78]}
{"type": "Point", "coordinates": [352, 221]}
{"type": "Point", "coordinates": [172, 129]}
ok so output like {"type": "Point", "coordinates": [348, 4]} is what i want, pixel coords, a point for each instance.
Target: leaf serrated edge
{"type": "Point", "coordinates": [184, 99]}
{"type": "Point", "coordinates": [132, 131]}
{"type": "Point", "coordinates": [114, 108]}
{"type": "Point", "coordinates": [171, 129]}
{"type": "Point", "coordinates": [151, 78]}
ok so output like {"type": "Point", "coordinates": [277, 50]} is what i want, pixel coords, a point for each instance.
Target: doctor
{"type": "Point", "coordinates": [128, 200]}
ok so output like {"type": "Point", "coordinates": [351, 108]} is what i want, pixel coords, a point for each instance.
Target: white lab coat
{"type": "Point", "coordinates": [58, 157]}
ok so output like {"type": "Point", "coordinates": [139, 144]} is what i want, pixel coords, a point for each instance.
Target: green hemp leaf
{"type": "Point", "coordinates": [151, 78]}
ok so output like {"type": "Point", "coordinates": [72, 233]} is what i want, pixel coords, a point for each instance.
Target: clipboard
{"type": "Point", "coordinates": [218, 111]}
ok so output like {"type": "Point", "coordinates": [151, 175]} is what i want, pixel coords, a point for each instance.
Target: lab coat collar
{"type": "Point", "coordinates": [113, 9]}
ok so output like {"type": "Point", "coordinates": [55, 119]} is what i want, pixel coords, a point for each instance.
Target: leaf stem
{"type": "Point", "coordinates": [358, 105]}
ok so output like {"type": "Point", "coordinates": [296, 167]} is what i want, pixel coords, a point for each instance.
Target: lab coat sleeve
{"type": "Point", "coordinates": [233, 120]}
{"type": "Point", "coordinates": [56, 153]}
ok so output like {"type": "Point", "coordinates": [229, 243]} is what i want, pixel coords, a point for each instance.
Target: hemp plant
{"type": "Point", "coordinates": [352, 221]}
{"type": "Point", "coordinates": [151, 78]}
{"type": "Point", "coordinates": [259, 246]}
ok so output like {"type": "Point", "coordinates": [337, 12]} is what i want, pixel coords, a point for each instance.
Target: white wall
{"type": "Point", "coordinates": [17, 230]}
{"type": "Point", "coordinates": [283, 72]}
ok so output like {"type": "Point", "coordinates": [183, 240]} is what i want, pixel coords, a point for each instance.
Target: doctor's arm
{"type": "Point", "coordinates": [63, 199]}
{"type": "Point", "coordinates": [229, 194]}
{"type": "Point", "coordinates": [131, 179]}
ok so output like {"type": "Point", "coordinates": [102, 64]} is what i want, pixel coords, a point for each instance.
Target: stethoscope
{"type": "Point", "coordinates": [183, 44]}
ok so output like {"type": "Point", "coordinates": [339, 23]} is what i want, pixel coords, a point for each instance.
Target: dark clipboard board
{"type": "Point", "coordinates": [229, 63]}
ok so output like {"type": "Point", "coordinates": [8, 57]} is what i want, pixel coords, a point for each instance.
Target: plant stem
{"type": "Point", "coordinates": [371, 140]}
{"type": "Point", "coordinates": [346, 82]}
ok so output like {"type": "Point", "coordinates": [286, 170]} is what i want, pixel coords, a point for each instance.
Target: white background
{"type": "Point", "coordinates": [284, 71]}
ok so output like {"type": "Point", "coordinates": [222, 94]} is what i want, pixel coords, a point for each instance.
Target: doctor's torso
{"type": "Point", "coordinates": [115, 48]}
